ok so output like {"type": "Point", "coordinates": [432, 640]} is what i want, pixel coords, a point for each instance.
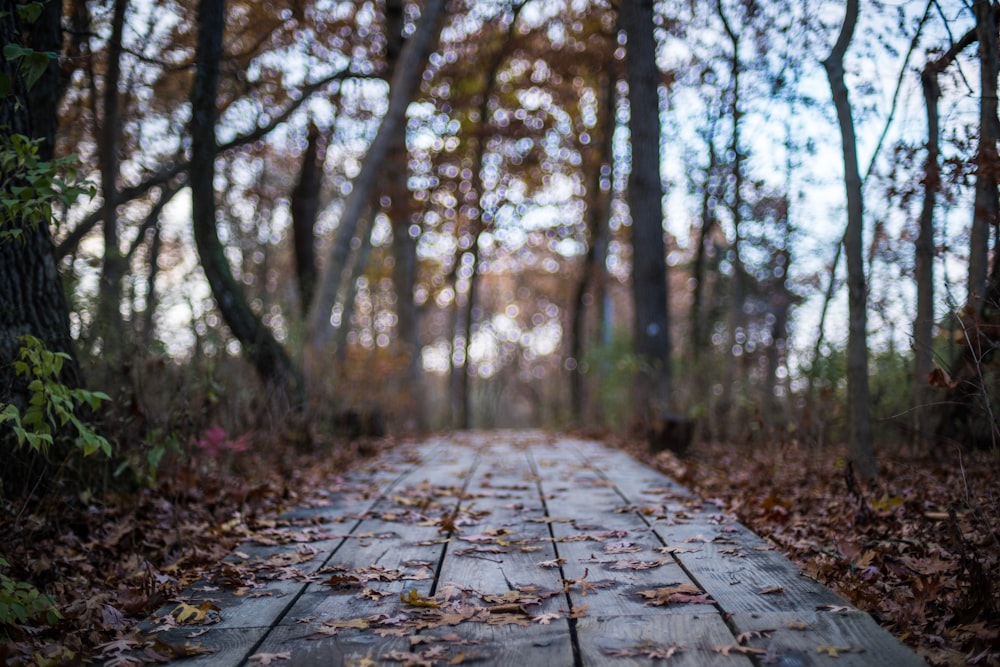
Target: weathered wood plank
{"type": "Point", "coordinates": [507, 568]}
{"type": "Point", "coordinates": [809, 637]}
{"type": "Point", "coordinates": [625, 641]}
{"type": "Point", "coordinates": [551, 539]}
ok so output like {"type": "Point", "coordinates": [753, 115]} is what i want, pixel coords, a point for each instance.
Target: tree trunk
{"type": "Point", "coordinates": [645, 194]}
{"type": "Point", "coordinates": [305, 211]}
{"type": "Point", "coordinates": [402, 89]}
{"type": "Point", "coordinates": [404, 244]}
{"type": "Point", "coordinates": [709, 193]}
{"type": "Point", "coordinates": [592, 271]}
{"type": "Point", "coordinates": [858, 393]}
{"type": "Point", "coordinates": [268, 357]}
{"type": "Point", "coordinates": [109, 325]}
{"type": "Point", "coordinates": [923, 325]}
{"type": "Point", "coordinates": [32, 300]}
{"type": "Point", "coordinates": [986, 207]}
{"type": "Point", "coordinates": [737, 290]}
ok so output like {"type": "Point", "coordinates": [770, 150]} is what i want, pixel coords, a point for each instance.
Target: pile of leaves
{"type": "Point", "coordinates": [919, 549]}
{"type": "Point", "coordinates": [109, 561]}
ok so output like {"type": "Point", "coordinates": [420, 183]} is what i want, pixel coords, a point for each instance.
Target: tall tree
{"type": "Point", "coordinates": [645, 194]}
{"type": "Point", "coordinates": [403, 87]}
{"type": "Point", "coordinates": [858, 393]}
{"type": "Point", "coordinates": [267, 355]}
{"type": "Point", "coordinates": [32, 300]}
{"type": "Point", "coordinates": [404, 243]}
{"type": "Point", "coordinates": [986, 207]}
{"type": "Point", "coordinates": [109, 320]}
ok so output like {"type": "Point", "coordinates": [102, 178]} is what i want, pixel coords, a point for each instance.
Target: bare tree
{"type": "Point", "coordinates": [858, 393]}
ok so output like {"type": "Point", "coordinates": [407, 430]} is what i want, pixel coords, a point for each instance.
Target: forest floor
{"type": "Point", "coordinates": [920, 550]}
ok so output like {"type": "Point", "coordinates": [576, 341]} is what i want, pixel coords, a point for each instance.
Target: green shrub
{"type": "Point", "coordinates": [20, 602]}
{"type": "Point", "coordinates": [52, 406]}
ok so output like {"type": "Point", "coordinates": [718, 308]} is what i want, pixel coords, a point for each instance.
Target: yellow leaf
{"type": "Point", "coordinates": [832, 651]}
{"type": "Point", "coordinates": [414, 599]}
{"type": "Point", "coordinates": [185, 613]}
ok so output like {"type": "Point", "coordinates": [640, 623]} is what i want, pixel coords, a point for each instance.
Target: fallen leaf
{"type": "Point", "coordinates": [414, 599]}
{"type": "Point", "coordinates": [545, 619]}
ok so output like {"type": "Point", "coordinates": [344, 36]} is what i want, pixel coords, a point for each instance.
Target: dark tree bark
{"type": "Point", "coordinates": [268, 357]}
{"type": "Point", "coordinates": [645, 194]}
{"type": "Point", "coordinates": [109, 321]}
{"type": "Point", "coordinates": [858, 393]}
{"type": "Point", "coordinates": [305, 211]}
{"type": "Point", "coordinates": [32, 300]}
{"type": "Point", "coordinates": [986, 207]}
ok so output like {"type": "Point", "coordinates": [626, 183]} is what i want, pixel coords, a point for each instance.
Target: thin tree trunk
{"type": "Point", "coordinates": [305, 211]}
{"type": "Point", "coordinates": [109, 321]}
{"type": "Point", "coordinates": [402, 89]}
{"type": "Point", "coordinates": [268, 357]}
{"type": "Point", "coordinates": [592, 270]}
{"type": "Point", "coordinates": [709, 192]}
{"type": "Point", "coordinates": [923, 325]}
{"type": "Point", "coordinates": [479, 222]}
{"type": "Point", "coordinates": [737, 291]}
{"type": "Point", "coordinates": [858, 393]}
{"type": "Point", "coordinates": [645, 194]}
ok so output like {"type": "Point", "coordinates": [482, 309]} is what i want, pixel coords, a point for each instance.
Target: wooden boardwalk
{"type": "Point", "coordinates": [515, 548]}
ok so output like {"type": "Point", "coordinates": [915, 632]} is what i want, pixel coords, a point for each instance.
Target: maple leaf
{"type": "Point", "coordinates": [188, 614]}
{"type": "Point", "coordinates": [331, 627]}
{"type": "Point", "coordinates": [640, 564]}
{"type": "Point", "coordinates": [798, 625]}
{"type": "Point", "coordinates": [680, 594]}
{"type": "Point", "coordinates": [555, 562]}
{"type": "Point", "coordinates": [745, 637]}
{"type": "Point", "coordinates": [771, 590]}
{"type": "Point", "coordinates": [268, 658]}
{"type": "Point", "coordinates": [621, 547]}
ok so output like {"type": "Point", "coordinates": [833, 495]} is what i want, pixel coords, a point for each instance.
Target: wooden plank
{"type": "Point", "coordinates": [229, 646]}
{"type": "Point", "coordinates": [610, 526]}
{"type": "Point", "coordinates": [405, 529]}
{"type": "Point", "coordinates": [506, 491]}
{"type": "Point", "coordinates": [810, 637]}
{"type": "Point", "coordinates": [604, 567]}
{"type": "Point", "coordinates": [627, 641]}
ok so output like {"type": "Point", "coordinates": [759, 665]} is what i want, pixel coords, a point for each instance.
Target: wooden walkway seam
{"type": "Point", "coordinates": [513, 548]}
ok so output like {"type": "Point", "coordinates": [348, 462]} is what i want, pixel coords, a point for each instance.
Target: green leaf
{"type": "Point", "coordinates": [14, 51]}
{"type": "Point", "coordinates": [30, 11]}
